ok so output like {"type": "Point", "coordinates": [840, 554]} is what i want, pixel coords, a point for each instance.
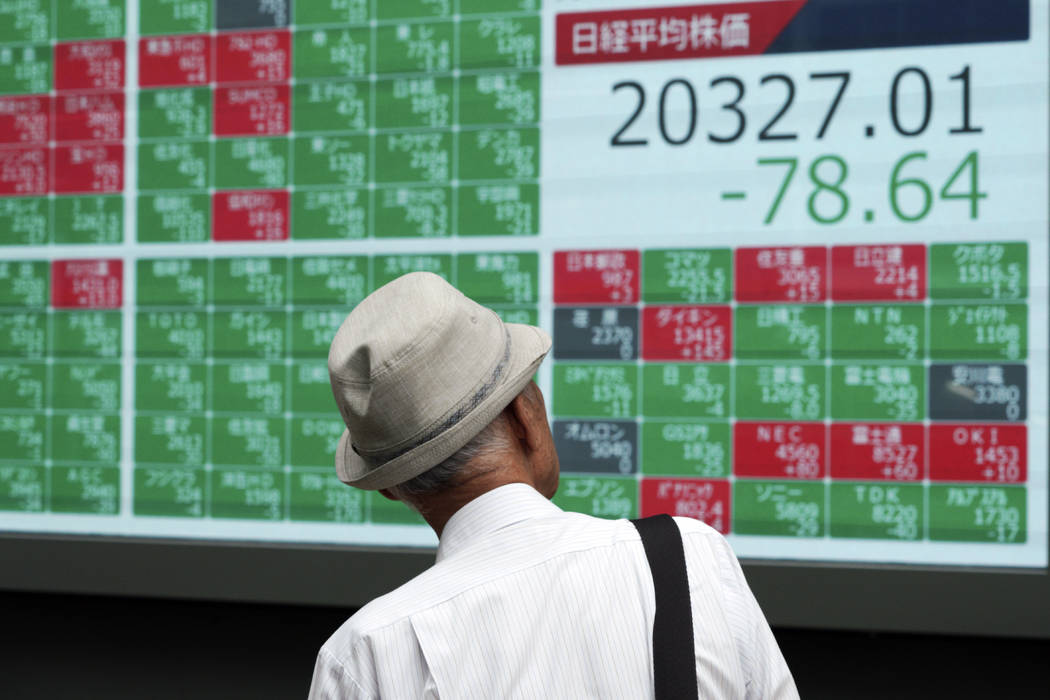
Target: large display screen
{"type": "Point", "coordinates": [792, 253]}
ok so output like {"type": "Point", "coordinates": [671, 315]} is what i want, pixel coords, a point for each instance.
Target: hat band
{"type": "Point", "coordinates": [378, 459]}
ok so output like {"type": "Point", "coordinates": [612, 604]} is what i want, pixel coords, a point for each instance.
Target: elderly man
{"type": "Point", "coordinates": [525, 600]}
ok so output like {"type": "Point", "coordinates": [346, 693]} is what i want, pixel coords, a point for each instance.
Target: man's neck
{"type": "Point", "coordinates": [438, 509]}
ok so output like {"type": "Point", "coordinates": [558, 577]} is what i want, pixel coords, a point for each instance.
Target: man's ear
{"type": "Point", "coordinates": [389, 494]}
{"type": "Point", "coordinates": [523, 414]}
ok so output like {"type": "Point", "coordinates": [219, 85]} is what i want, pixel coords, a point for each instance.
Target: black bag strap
{"type": "Point", "coordinates": [674, 665]}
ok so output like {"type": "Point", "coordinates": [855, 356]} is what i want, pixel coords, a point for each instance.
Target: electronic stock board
{"type": "Point", "coordinates": [793, 256]}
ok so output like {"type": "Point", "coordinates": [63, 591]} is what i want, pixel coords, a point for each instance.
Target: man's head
{"type": "Point", "coordinates": [430, 383]}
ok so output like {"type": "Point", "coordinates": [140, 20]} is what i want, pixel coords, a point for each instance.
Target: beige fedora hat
{"type": "Point", "coordinates": [417, 370]}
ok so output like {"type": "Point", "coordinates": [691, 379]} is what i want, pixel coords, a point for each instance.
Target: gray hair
{"type": "Point", "coordinates": [492, 438]}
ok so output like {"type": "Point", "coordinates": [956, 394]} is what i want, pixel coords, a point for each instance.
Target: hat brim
{"type": "Point", "coordinates": [528, 346]}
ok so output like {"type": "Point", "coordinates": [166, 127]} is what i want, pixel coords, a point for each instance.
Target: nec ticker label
{"type": "Point", "coordinates": [795, 267]}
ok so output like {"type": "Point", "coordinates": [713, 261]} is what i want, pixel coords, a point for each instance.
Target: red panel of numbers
{"type": "Point", "coordinates": [687, 333]}
{"type": "Point", "coordinates": [89, 168]}
{"type": "Point", "coordinates": [24, 170]}
{"type": "Point", "coordinates": [89, 65]}
{"type": "Point", "coordinates": [250, 215]}
{"type": "Point", "coordinates": [175, 60]}
{"type": "Point", "coordinates": [247, 57]}
{"type": "Point", "coordinates": [779, 450]}
{"type": "Point", "coordinates": [87, 284]}
{"type": "Point", "coordinates": [703, 499]}
{"type": "Point", "coordinates": [797, 274]}
{"type": "Point", "coordinates": [596, 276]}
{"type": "Point", "coordinates": [257, 110]}
{"type": "Point", "coordinates": [877, 451]}
{"type": "Point", "coordinates": [25, 119]}
{"type": "Point", "coordinates": [878, 272]}
{"type": "Point", "coordinates": [89, 116]}
{"type": "Point", "coordinates": [970, 452]}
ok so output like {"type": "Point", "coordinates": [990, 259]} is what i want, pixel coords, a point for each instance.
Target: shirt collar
{"type": "Point", "coordinates": [491, 511]}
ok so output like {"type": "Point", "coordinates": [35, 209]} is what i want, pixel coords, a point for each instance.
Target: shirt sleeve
{"type": "Point", "coordinates": [765, 671]}
{"type": "Point", "coordinates": [331, 681]}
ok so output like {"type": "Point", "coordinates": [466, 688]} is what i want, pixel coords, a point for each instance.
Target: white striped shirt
{"type": "Point", "coordinates": [528, 601]}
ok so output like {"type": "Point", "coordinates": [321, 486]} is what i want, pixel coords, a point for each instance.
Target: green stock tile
{"type": "Point", "coordinates": [23, 334]}
{"type": "Point", "coordinates": [331, 160]}
{"type": "Point", "coordinates": [876, 511]}
{"type": "Point", "coordinates": [24, 283]}
{"type": "Point", "coordinates": [499, 154]}
{"type": "Point", "coordinates": [25, 69]}
{"type": "Point", "coordinates": [248, 494]}
{"type": "Point", "coordinates": [878, 331]}
{"type": "Point", "coordinates": [171, 387]}
{"type": "Point", "coordinates": [175, 16]}
{"type": "Point", "coordinates": [310, 388]}
{"type": "Point", "coordinates": [780, 391]}
{"type": "Point", "coordinates": [23, 437]}
{"type": "Point", "coordinates": [172, 282]}
{"type": "Point", "coordinates": [88, 490]}
{"type": "Point", "coordinates": [174, 440]}
{"type": "Point", "coordinates": [511, 209]}
{"type": "Point", "coordinates": [780, 508]}
{"type": "Point", "coordinates": [778, 331]}
{"type": "Point", "coordinates": [311, 12]}
{"type": "Point", "coordinates": [413, 9]}
{"type": "Point", "coordinates": [248, 441]}
{"type": "Point", "coordinates": [90, 219]}
{"type": "Point", "coordinates": [338, 280]}
{"type": "Point", "coordinates": [499, 278]}
{"type": "Point", "coordinates": [979, 271]}
{"type": "Point", "coordinates": [321, 497]}
{"type": "Point", "coordinates": [978, 513]}
{"type": "Point", "coordinates": [490, 7]}
{"type": "Point", "coordinates": [685, 449]}
{"type": "Point", "coordinates": [422, 101]}
{"type": "Point", "coordinates": [978, 331]}
{"type": "Point", "coordinates": [249, 334]}
{"type": "Point", "coordinates": [27, 21]}
{"type": "Point", "coordinates": [341, 106]}
{"type": "Point", "coordinates": [313, 330]}
{"type": "Point", "coordinates": [420, 47]}
{"type": "Point", "coordinates": [383, 511]}
{"type": "Point", "coordinates": [402, 212]}
{"type": "Point", "coordinates": [249, 387]}
{"type": "Point", "coordinates": [601, 496]}
{"type": "Point", "coordinates": [85, 386]}
{"type": "Point", "coordinates": [413, 157]}
{"type": "Point", "coordinates": [685, 390]}
{"type": "Point", "coordinates": [332, 53]}
{"type": "Point", "coordinates": [25, 220]}
{"type": "Point", "coordinates": [174, 165]}
{"type": "Point", "coordinates": [22, 488]}
{"type": "Point", "coordinates": [176, 492]}
{"type": "Point", "coordinates": [386, 268]}
{"type": "Point", "coordinates": [95, 334]}
{"type": "Point", "coordinates": [85, 437]}
{"type": "Point", "coordinates": [500, 42]}
{"type": "Point", "coordinates": [692, 275]}
{"type": "Point", "coordinates": [878, 392]}
{"type": "Point", "coordinates": [314, 441]}
{"type": "Point", "coordinates": [90, 19]}
{"type": "Point", "coordinates": [251, 163]}
{"type": "Point", "coordinates": [23, 385]}
{"type": "Point", "coordinates": [336, 213]}
{"type": "Point", "coordinates": [529, 317]}
{"type": "Point", "coordinates": [175, 113]}
{"type": "Point", "coordinates": [250, 281]}
{"type": "Point", "coordinates": [174, 218]}
{"type": "Point", "coordinates": [171, 334]}
{"type": "Point", "coordinates": [499, 98]}
{"type": "Point", "coordinates": [595, 391]}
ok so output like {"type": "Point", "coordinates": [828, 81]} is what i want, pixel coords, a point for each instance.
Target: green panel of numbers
{"type": "Point", "coordinates": [248, 387]}
{"type": "Point", "coordinates": [175, 113]}
{"type": "Point", "coordinates": [171, 334]}
{"type": "Point", "coordinates": [25, 220]}
{"type": "Point", "coordinates": [320, 496]}
{"type": "Point", "coordinates": [23, 488]}
{"type": "Point", "coordinates": [94, 334]}
{"type": "Point", "coordinates": [85, 437]}
{"type": "Point", "coordinates": [310, 389]}
{"type": "Point", "coordinates": [25, 21]}
{"type": "Point", "coordinates": [313, 12]}
{"type": "Point", "coordinates": [779, 331]}
{"type": "Point", "coordinates": [22, 385]}
{"type": "Point", "coordinates": [170, 387]}
{"type": "Point", "coordinates": [171, 440]}
{"type": "Point", "coordinates": [499, 98]}
{"type": "Point", "coordinates": [878, 392]}
{"type": "Point", "coordinates": [330, 213]}
{"type": "Point", "coordinates": [90, 19]}
{"type": "Point", "coordinates": [499, 154]}
{"type": "Point", "coordinates": [87, 490]}
{"type": "Point", "coordinates": [386, 268]}
{"type": "Point", "coordinates": [414, 102]}
{"type": "Point", "coordinates": [251, 163]}
{"type": "Point", "coordinates": [174, 165]}
{"type": "Point", "coordinates": [313, 330]}
{"type": "Point", "coordinates": [25, 69]}
{"type": "Point", "coordinates": [500, 42]}
{"type": "Point", "coordinates": [601, 496]}
{"type": "Point", "coordinates": [248, 441]}
{"type": "Point", "coordinates": [978, 513]}
{"type": "Point", "coordinates": [979, 331]}
{"type": "Point", "coordinates": [89, 219]}
{"type": "Point", "coordinates": [424, 47]}
{"type": "Point", "coordinates": [414, 157]}
{"type": "Point", "coordinates": [174, 218]}
{"type": "Point", "coordinates": [402, 212]}
{"type": "Point", "coordinates": [336, 280]}
{"type": "Point", "coordinates": [597, 391]}
{"type": "Point", "coordinates": [249, 334]}
{"type": "Point", "coordinates": [331, 160]}
{"type": "Point", "coordinates": [685, 390]}
{"type": "Point", "coordinates": [780, 508]}
{"type": "Point", "coordinates": [176, 492]}
{"type": "Point", "coordinates": [694, 276]}
{"type": "Point", "coordinates": [332, 106]}
{"type": "Point", "coordinates": [86, 386]}
{"type": "Point", "coordinates": [175, 16]}
{"type": "Point", "coordinates": [877, 511]}
{"type": "Point", "coordinates": [332, 53]}
{"type": "Point", "coordinates": [878, 331]}
{"type": "Point", "coordinates": [315, 440]}
{"type": "Point", "coordinates": [250, 281]}
{"type": "Point", "coordinates": [685, 449]}
{"type": "Point", "coordinates": [248, 494]}
{"type": "Point", "coordinates": [780, 391]}
{"type": "Point", "coordinates": [24, 283]}
{"type": "Point", "coordinates": [499, 278]}
{"type": "Point", "coordinates": [979, 271]}
{"type": "Point", "coordinates": [172, 282]}
{"type": "Point", "coordinates": [500, 209]}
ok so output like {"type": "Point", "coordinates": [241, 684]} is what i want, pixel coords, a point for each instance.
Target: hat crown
{"type": "Point", "coordinates": [407, 358]}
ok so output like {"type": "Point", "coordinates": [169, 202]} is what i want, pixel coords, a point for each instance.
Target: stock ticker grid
{"type": "Point", "coordinates": [792, 386]}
